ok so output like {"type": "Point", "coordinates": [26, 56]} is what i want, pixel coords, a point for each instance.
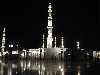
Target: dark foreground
{"type": "Point", "coordinates": [46, 67]}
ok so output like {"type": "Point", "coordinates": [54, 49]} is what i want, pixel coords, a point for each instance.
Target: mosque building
{"type": "Point", "coordinates": [49, 51]}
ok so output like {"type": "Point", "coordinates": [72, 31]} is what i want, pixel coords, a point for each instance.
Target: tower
{"type": "Point", "coordinates": [49, 27]}
{"type": "Point", "coordinates": [78, 44]}
{"type": "Point", "coordinates": [55, 42]}
{"type": "Point", "coordinates": [43, 42]}
{"type": "Point", "coordinates": [62, 42]}
{"type": "Point", "coordinates": [3, 42]}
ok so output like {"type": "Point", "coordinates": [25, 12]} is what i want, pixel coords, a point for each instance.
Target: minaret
{"type": "Point", "coordinates": [78, 44]}
{"type": "Point", "coordinates": [3, 42]}
{"type": "Point", "coordinates": [43, 41]}
{"type": "Point", "coordinates": [49, 27]}
{"type": "Point", "coordinates": [55, 42]}
{"type": "Point", "coordinates": [62, 42]}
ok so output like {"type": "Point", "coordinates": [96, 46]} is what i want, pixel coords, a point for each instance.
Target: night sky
{"type": "Point", "coordinates": [26, 21]}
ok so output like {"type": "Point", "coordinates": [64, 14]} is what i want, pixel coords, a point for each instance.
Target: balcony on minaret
{"type": "Point", "coordinates": [3, 34]}
{"type": "Point", "coordinates": [49, 27]}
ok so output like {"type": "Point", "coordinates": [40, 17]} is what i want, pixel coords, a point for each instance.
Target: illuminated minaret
{"type": "Point", "coordinates": [78, 44]}
{"type": "Point", "coordinates": [55, 42]}
{"type": "Point", "coordinates": [43, 42]}
{"type": "Point", "coordinates": [3, 42]}
{"type": "Point", "coordinates": [62, 42]}
{"type": "Point", "coordinates": [49, 27]}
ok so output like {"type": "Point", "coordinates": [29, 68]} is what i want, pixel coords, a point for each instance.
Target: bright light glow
{"type": "Point", "coordinates": [14, 52]}
{"type": "Point", "coordinates": [4, 53]}
{"type": "Point", "coordinates": [14, 66]}
{"type": "Point", "coordinates": [94, 53]}
{"type": "Point", "coordinates": [82, 49]}
{"type": "Point", "coordinates": [24, 50]}
{"type": "Point", "coordinates": [78, 44]}
{"type": "Point", "coordinates": [22, 54]}
{"type": "Point", "coordinates": [0, 61]}
{"type": "Point", "coordinates": [59, 67]}
{"type": "Point", "coordinates": [78, 73]}
{"type": "Point", "coordinates": [11, 45]}
{"type": "Point", "coordinates": [99, 52]}
{"type": "Point", "coordinates": [16, 72]}
{"type": "Point", "coordinates": [29, 64]}
{"type": "Point", "coordinates": [87, 53]}
{"type": "Point", "coordinates": [69, 54]}
{"type": "Point", "coordinates": [0, 54]}
{"type": "Point", "coordinates": [99, 57]}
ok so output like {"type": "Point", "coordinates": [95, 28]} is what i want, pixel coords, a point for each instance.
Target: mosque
{"type": "Point", "coordinates": [49, 48]}
{"type": "Point", "coordinates": [49, 51]}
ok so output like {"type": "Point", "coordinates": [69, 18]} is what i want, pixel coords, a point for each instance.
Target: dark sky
{"type": "Point", "coordinates": [26, 21]}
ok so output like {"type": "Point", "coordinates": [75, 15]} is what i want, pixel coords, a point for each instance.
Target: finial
{"type": "Point", "coordinates": [4, 29]}
{"type": "Point", "coordinates": [50, 3]}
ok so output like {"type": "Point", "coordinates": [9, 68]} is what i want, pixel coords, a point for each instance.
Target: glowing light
{"type": "Point", "coordinates": [0, 61]}
{"type": "Point", "coordinates": [69, 54]}
{"type": "Point", "coordinates": [22, 54]}
{"type": "Point", "coordinates": [0, 54]}
{"type": "Point", "coordinates": [29, 64]}
{"type": "Point", "coordinates": [94, 53]}
{"type": "Point", "coordinates": [14, 66]}
{"type": "Point", "coordinates": [11, 45]}
{"type": "Point", "coordinates": [59, 67]}
{"type": "Point", "coordinates": [78, 44]}
{"type": "Point", "coordinates": [99, 53]}
{"type": "Point", "coordinates": [16, 72]}
{"type": "Point", "coordinates": [14, 52]}
{"type": "Point", "coordinates": [78, 73]}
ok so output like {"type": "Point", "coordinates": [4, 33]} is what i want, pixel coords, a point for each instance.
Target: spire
{"type": "Point", "coordinates": [55, 42]}
{"type": "Point", "coordinates": [62, 42]}
{"type": "Point", "coordinates": [50, 11]}
{"type": "Point", "coordinates": [49, 27]}
{"type": "Point", "coordinates": [3, 42]}
{"type": "Point", "coordinates": [78, 44]}
{"type": "Point", "coordinates": [49, 15]}
{"type": "Point", "coordinates": [43, 41]}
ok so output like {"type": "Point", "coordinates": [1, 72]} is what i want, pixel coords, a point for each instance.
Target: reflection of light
{"type": "Point", "coordinates": [22, 64]}
{"type": "Point", "coordinates": [22, 54]}
{"type": "Point", "coordinates": [1, 71]}
{"type": "Point", "coordinates": [40, 72]}
{"type": "Point", "coordinates": [78, 69]}
{"type": "Point", "coordinates": [0, 61]}
{"type": "Point", "coordinates": [10, 72]}
{"type": "Point", "coordinates": [14, 66]}
{"type": "Point", "coordinates": [39, 65]}
{"type": "Point", "coordinates": [43, 68]}
{"type": "Point", "coordinates": [10, 45]}
{"type": "Point", "coordinates": [99, 53]}
{"type": "Point", "coordinates": [68, 54]}
{"type": "Point", "coordinates": [59, 67]}
{"type": "Point", "coordinates": [78, 73]}
{"type": "Point", "coordinates": [16, 72]}
{"type": "Point", "coordinates": [28, 65]}
{"type": "Point", "coordinates": [14, 52]}
{"type": "Point", "coordinates": [0, 54]}
{"type": "Point", "coordinates": [87, 53]}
